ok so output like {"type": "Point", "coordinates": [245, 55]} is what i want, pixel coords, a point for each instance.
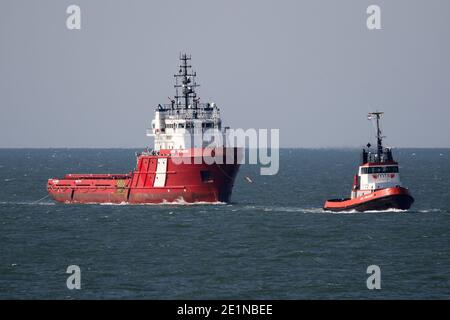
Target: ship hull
{"type": "Point", "coordinates": [157, 179]}
{"type": "Point", "coordinates": [379, 200]}
{"type": "Point", "coordinates": [113, 195]}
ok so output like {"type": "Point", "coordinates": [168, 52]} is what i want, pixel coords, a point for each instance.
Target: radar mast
{"type": "Point", "coordinates": [377, 116]}
{"type": "Point", "coordinates": [188, 84]}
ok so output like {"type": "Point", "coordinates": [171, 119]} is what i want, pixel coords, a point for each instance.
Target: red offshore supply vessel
{"type": "Point", "coordinates": [175, 171]}
{"type": "Point", "coordinates": [377, 185]}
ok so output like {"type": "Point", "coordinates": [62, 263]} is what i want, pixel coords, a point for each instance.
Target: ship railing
{"type": "Point", "coordinates": [192, 117]}
{"type": "Point", "coordinates": [204, 106]}
{"type": "Point", "coordinates": [202, 112]}
{"type": "Point", "coordinates": [147, 153]}
{"type": "Point", "coordinates": [372, 157]}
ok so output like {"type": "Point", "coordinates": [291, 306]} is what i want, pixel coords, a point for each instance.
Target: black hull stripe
{"type": "Point", "coordinates": [402, 202]}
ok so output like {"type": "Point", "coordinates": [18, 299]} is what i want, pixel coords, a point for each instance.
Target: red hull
{"type": "Point", "coordinates": [185, 182]}
{"type": "Point", "coordinates": [383, 199]}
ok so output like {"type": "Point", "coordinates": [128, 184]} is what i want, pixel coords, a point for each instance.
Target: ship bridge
{"type": "Point", "coordinates": [185, 122]}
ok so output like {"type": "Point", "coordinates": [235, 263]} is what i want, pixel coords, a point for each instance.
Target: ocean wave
{"type": "Point", "coordinates": [320, 210]}
{"type": "Point", "coordinates": [303, 209]}
{"type": "Point", "coordinates": [386, 211]}
{"type": "Point", "coordinates": [178, 202]}
{"type": "Point", "coordinates": [27, 203]}
{"type": "Point", "coordinates": [429, 210]}
{"type": "Point", "coordinates": [284, 209]}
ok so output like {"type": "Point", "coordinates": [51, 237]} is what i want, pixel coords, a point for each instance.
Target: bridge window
{"type": "Point", "coordinates": [371, 170]}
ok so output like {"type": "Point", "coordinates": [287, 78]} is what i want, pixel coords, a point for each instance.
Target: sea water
{"type": "Point", "coordinates": [273, 241]}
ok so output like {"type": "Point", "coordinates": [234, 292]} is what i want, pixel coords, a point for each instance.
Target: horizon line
{"type": "Point", "coordinates": [133, 148]}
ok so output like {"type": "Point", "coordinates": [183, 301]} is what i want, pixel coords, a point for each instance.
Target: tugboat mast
{"type": "Point", "coordinates": [379, 136]}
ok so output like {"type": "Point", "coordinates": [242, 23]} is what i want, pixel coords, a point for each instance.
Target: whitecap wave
{"type": "Point", "coordinates": [386, 211]}
{"type": "Point", "coordinates": [177, 202]}
{"type": "Point", "coordinates": [429, 210]}
{"type": "Point", "coordinates": [108, 203]}
{"type": "Point", "coordinates": [275, 209]}
{"type": "Point", "coordinates": [353, 211]}
{"type": "Point", "coordinates": [26, 203]}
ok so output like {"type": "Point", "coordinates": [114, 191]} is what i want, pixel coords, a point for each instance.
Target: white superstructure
{"type": "Point", "coordinates": [179, 128]}
{"type": "Point", "coordinates": [374, 177]}
{"type": "Point", "coordinates": [186, 123]}
{"type": "Point", "coordinates": [378, 169]}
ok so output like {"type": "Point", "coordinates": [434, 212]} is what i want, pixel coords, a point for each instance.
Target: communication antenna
{"type": "Point", "coordinates": [377, 115]}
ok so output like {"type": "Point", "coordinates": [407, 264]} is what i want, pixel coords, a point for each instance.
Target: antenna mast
{"type": "Point", "coordinates": [187, 85]}
{"type": "Point", "coordinates": [378, 115]}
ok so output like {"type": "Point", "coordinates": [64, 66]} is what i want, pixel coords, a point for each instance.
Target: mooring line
{"type": "Point", "coordinates": [41, 199]}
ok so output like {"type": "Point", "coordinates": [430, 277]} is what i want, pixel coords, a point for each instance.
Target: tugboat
{"type": "Point", "coordinates": [175, 171]}
{"type": "Point", "coordinates": [377, 185]}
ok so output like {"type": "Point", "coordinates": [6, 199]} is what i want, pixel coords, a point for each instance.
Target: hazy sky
{"type": "Point", "coordinates": [310, 68]}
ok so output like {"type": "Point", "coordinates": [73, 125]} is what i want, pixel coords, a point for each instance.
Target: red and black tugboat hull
{"type": "Point", "coordinates": [379, 200]}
